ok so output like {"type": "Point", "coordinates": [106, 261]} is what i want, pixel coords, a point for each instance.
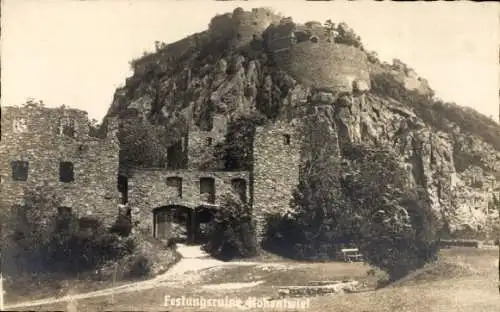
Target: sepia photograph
{"type": "Point", "coordinates": [198, 155]}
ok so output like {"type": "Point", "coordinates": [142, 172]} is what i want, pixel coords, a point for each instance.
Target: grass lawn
{"type": "Point", "coordinates": [49, 289]}
{"type": "Point", "coordinates": [464, 279]}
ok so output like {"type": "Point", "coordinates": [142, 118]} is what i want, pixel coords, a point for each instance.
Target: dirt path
{"type": "Point", "coordinates": [193, 260]}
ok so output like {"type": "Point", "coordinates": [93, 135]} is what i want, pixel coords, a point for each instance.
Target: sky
{"type": "Point", "coordinates": [77, 53]}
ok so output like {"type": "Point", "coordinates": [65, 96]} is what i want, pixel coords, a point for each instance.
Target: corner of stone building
{"type": "Point", "coordinates": [91, 162]}
{"type": "Point", "coordinates": [112, 128]}
{"type": "Point", "coordinates": [277, 150]}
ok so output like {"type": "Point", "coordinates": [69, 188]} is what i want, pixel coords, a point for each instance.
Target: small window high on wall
{"type": "Point", "coordinates": [66, 172]}
{"type": "Point", "coordinates": [67, 127]}
{"type": "Point", "coordinates": [286, 139]}
{"type": "Point", "coordinates": [19, 170]}
{"type": "Point", "coordinates": [123, 188]}
{"type": "Point", "coordinates": [176, 184]}
{"type": "Point", "coordinates": [207, 190]}
{"type": "Point", "coordinates": [209, 141]}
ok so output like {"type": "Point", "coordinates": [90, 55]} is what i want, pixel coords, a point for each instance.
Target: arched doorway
{"type": "Point", "coordinates": [174, 222]}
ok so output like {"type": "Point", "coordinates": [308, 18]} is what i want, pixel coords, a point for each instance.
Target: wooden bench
{"type": "Point", "coordinates": [351, 254]}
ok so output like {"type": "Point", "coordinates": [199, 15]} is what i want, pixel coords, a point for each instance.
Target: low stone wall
{"type": "Point", "coordinates": [323, 288]}
{"type": "Point", "coordinates": [446, 243]}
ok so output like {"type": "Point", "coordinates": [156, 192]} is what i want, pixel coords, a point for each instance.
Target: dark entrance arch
{"type": "Point", "coordinates": [203, 217]}
{"type": "Point", "coordinates": [173, 222]}
{"type": "Point", "coordinates": [181, 223]}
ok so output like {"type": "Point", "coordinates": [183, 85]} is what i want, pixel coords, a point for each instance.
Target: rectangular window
{"type": "Point", "coordinates": [286, 139]}
{"type": "Point", "coordinates": [209, 141]}
{"type": "Point", "coordinates": [66, 173]}
{"type": "Point", "coordinates": [67, 127]}
{"type": "Point", "coordinates": [176, 184]}
{"type": "Point", "coordinates": [19, 170]}
{"type": "Point", "coordinates": [207, 190]}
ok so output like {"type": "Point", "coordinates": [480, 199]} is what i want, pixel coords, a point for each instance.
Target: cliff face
{"type": "Point", "coordinates": [272, 66]}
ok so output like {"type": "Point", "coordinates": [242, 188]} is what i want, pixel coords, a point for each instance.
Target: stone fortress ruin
{"type": "Point", "coordinates": [308, 52]}
{"type": "Point", "coordinates": [53, 145]}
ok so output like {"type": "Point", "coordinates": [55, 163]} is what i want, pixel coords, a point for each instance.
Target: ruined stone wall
{"type": "Point", "coordinates": [276, 169]}
{"type": "Point", "coordinates": [33, 135]}
{"type": "Point", "coordinates": [171, 54]}
{"type": "Point", "coordinates": [308, 53]}
{"type": "Point", "coordinates": [243, 26]}
{"type": "Point", "coordinates": [407, 77]}
{"type": "Point", "coordinates": [239, 26]}
{"type": "Point", "coordinates": [201, 143]}
{"type": "Point", "coordinates": [325, 65]}
{"type": "Point", "coordinates": [148, 190]}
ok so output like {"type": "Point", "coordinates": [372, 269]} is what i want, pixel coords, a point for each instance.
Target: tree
{"type": "Point", "coordinates": [35, 222]}
{"type": "Point", "coordinates": [493, 218]}
{"type": "Point", "coordinates": [313, 228]}
{"type": "Point", "coordinates": [142, 143]}
{"type": "Point", "coordinates": [231, 232]}
{"type": "Point", "coordinates": [319, 204]}
{"type": "Point", "coordinates": [44, 239]}
{"type": "Point", "coordinates": [160, 45]}
{"type": "Point", "coordinates": [345, 35]}
{"type": "Point", "coordinates": [362, 199]}
{"type": "Point", "coordinates": [398, 232]}
{"type": "Point", "coordinates": [330, 29]}
{"type": "Point", "coordinates": [237, 150]}
{"type": "Point", "coordinates": [32, 103]}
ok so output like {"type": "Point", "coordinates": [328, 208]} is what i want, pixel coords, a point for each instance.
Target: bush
{"type": "Point", "coordinates": [140, 267]}
{"type": "Point", "coordinates": [85, 248]}
{"type": "Point", "coordinates": [283, 236]}
{"type": "Point", "coordinates": [345, 35]}
{"type": "Point", "coordinates": [231, 233]}
{"type": "Point", "coordinates": [399, 232]}
{"type": "Point", "coordinates": [44, 241]}
{"type": "Point", "coordinates": [398, 246]}
{"type": "Point", "coordinates": [122, 226]}
{"type": "Point", "coordinates": [237, 150]}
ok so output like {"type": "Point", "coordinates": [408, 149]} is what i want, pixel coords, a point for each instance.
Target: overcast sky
{"type": "Point", "coordinates": [77, 52]}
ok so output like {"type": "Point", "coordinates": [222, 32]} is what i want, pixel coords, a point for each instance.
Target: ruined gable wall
{"type": "Point", "coordinates": [276, 170]}
{"type": "Point", "coordinates": [95, 161]}
{"type": "Point", "coordinates": [148, 190]}
{"type": "Point", "coordinates": [198, 147]}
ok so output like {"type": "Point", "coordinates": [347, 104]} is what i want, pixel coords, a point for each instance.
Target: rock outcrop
{"type": "Point", "coordinates": [263, 69]}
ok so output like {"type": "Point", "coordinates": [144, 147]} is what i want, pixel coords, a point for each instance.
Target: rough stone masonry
{"type": "Point", "coordinates": [53, 147]}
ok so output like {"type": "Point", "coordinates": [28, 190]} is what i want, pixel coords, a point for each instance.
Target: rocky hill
{"type": "Point", "coordinates": [261, 64]}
